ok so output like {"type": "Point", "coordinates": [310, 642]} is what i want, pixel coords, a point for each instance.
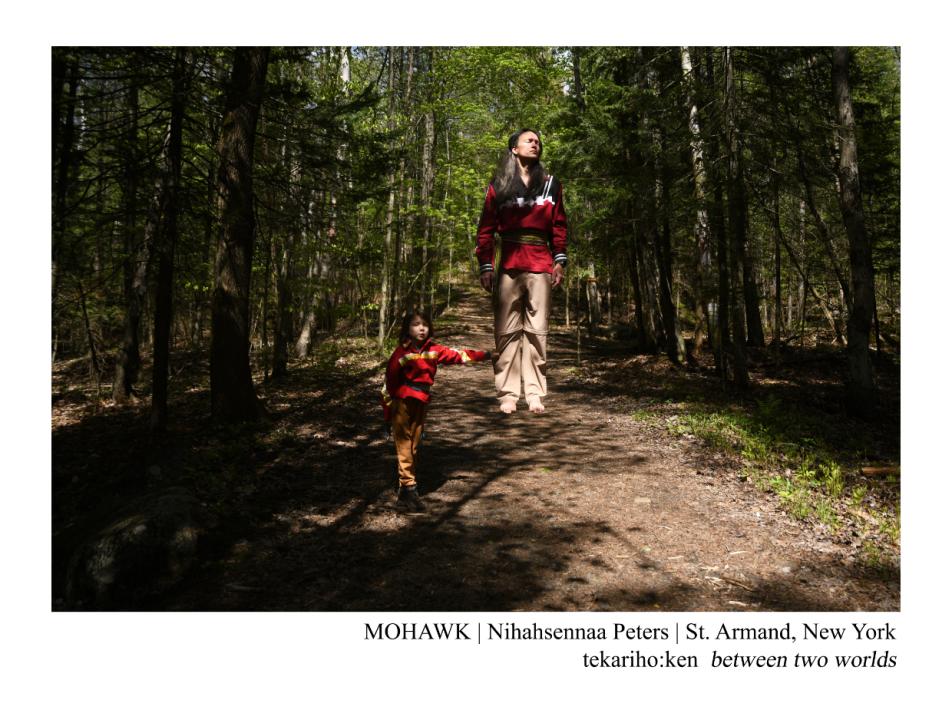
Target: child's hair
{"type": "Point", "coordinates": [408, 318]}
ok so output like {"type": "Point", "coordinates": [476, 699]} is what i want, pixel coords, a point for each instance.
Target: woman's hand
{"type": "Point", "coordinates": [486, 280]}
{"type": "Point", "coordinates": [558, 273]}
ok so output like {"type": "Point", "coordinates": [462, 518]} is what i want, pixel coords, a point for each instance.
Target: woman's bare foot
{"type": "Point", "coordinates": [507, 406]}
{"type": "Point", "coordinates": [536, 406]}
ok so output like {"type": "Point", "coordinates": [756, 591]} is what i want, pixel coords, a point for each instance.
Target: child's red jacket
{"type": "Point", "coordinates": [411, 370]}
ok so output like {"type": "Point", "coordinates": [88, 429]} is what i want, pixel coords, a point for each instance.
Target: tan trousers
{"type": "Point", "coordinates": [521, 317]}
{"type": "Point", "coordinates": [408, 417]}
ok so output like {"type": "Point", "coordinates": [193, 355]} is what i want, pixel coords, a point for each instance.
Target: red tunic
{"type": "Point", "coordinates": [543, 216]}
{"type": "Point", "coordinates": [410, 370]}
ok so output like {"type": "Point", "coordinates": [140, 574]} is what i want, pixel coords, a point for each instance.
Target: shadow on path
{"type": "Point", "coordinates": [579, 509]}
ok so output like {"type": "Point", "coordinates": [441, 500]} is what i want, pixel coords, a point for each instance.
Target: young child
{"type": "Point", "coordinates": [406, 393]}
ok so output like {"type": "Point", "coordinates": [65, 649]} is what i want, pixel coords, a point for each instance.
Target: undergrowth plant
{"type": "Point", "coordinates": [798, 457]}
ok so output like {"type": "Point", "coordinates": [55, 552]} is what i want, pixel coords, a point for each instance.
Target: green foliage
{"type": "Point", "coordinates": [857, 495]}
{"type": "Point", "coordinates": [831, 475]}
{"type": "Point", "coordinates": [795, 455]}
{"type": "Point", "coordinates": [644, 416]}
{"type": "Point", "coordinates": [348, 353]}
{"type": "Point", "coordinates": [825, 512]}
{"type": "Point", "coordinates": [354, 195]}
{"type": "Point", "coordinates": [891, 525]}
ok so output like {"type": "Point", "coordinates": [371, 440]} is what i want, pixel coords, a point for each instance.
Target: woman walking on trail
{"type": "Point", "coordinates": [524, 206]}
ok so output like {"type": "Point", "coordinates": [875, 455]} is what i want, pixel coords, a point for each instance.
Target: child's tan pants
{"type": "Point", "coordinates": [408, 417]}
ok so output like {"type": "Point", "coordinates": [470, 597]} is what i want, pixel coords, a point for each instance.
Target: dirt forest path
{"type": "Point", "coordinates": [583, 508]}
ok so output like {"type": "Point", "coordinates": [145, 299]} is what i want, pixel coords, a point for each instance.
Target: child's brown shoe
{"type": "Point", "coordinates": [409, 500]}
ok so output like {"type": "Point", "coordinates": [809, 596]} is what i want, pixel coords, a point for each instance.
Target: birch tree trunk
{"type": "Point", "coordinates": [426, 200]}
{"type": "Point", "coordinates": [592, 301]}
{"type": "Point", "coordinates": [403, 246]}
{"type": "Point", "coordinates": [383, 314]}
{"type": "Point", "coordinates": [703, 292]}
{"type": "Point", "coordinates": [389, 264]}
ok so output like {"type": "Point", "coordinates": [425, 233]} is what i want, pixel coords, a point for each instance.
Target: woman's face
{"type": "Point", "coordinates": [419, 330]}
{"type": "Point", "coordinates": [528, 147]}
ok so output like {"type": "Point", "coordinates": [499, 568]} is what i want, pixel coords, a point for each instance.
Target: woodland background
{"type": "Point", "coordinates": [222, 217]}
{"type": "Point", "coordinates": [699, 179]}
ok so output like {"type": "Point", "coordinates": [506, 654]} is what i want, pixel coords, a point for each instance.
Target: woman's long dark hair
{"type": "Point", "coordinates": [507, 182]}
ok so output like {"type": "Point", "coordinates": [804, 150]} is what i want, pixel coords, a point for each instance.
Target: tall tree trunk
{"type": "Point", "coordinates": [821, 227]}
{"type": "Point", "coordinates": [737, 215]}
{"type": "Point", "coordinates": [64, 138]}
{"type": "Point", "coordinates": [59, 80]}
{"type": "Point", "coordinates": [233, 393]}
{"type": "Point", "coordinates": [166, 252]}
{"type": "Point", "coordinates": [428, 170]}
{"type": "Point", "coordinates": [283, 252]}
{"type": "Point", "coordinates": [282, 326]}
{"type": "Point", "coordinates": [566, 290]}
{"type": "Point", "coordinates": [773, 168]}
{"type": "Point", "coordinates": [315, 273]}
{"type": "Point", "coordinates": [592, 300]}
{"type": "Point", "coordinates": [648, 291]}
{"type": "Point", "coordinates": [755, 325]}
{"type": "Point", "coordinates": [134, 263]}
{"type": "Point", "coordinates": [383, 315]}
{"type": "Point", "coordinates": [721, 322]}
{"type": "Point", "coordinates": [451, 234]}
{"type": "Point", "coordinates": [861, 390]}
{"type": "Point", "coordinates": [804, 282]}
{"type": "Point", "coordinates": [805, 285]}
{"type": "Point", "coordinates": [703, 290]}
{"type": "Point", "coordinates": [778, 280]}
{"type": "Point", "coordinates": [388, 273]}
{"type": "Point", "coordinates": [402, 283]}
{"type": "Point", "coordinates": [634, 274]}
{"type": "Point", "coordinates": [95, 367]}
{"type": "Point", "coordinates": [577, 75]}
{"type": "Point", "coordinates": [723, 278]}
{"type": "Point", "coordinates": [400, 290]}
{"type": "Point", "coordinates": [737, 209]}
{"type": "Point", "coordinates": [658, 229]}
{"type": "Point", "coordinates": [674, 343]}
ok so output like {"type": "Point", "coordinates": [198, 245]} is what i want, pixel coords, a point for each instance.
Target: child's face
{"type": "Point", "coordinates": [419, 330]}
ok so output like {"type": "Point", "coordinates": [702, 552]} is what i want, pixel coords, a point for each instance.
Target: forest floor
{"type": "Point", "coordinates": [645, 486]}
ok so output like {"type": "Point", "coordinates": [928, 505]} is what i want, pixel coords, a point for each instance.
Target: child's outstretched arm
{"type": "Point", "coordinates": [453, 356]}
